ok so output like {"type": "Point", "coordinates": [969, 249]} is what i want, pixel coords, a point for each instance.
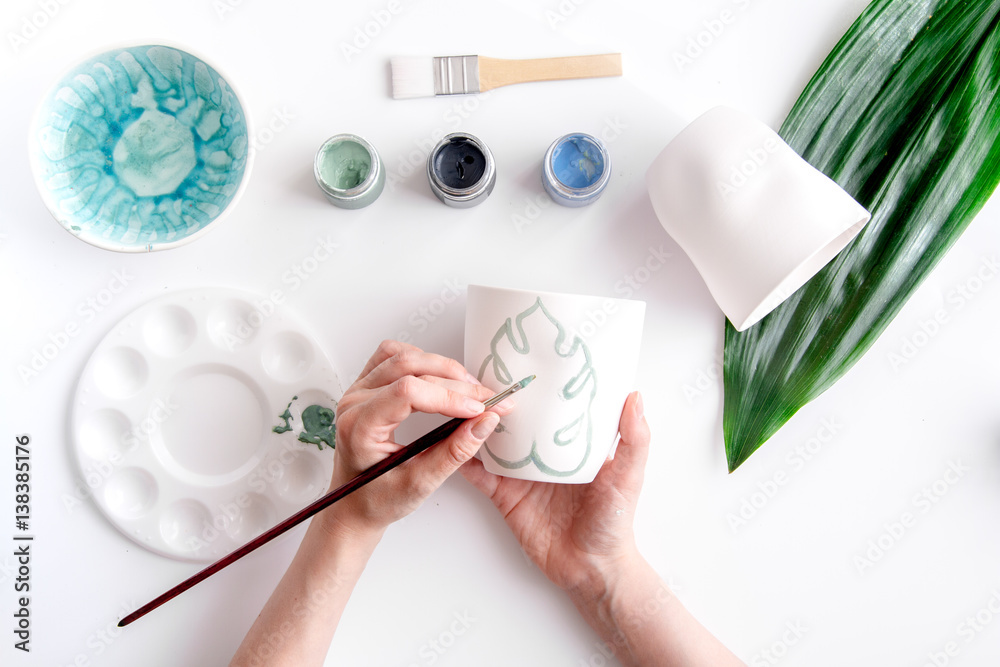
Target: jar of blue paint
{"type": "Point", "coordinates": [576, 169]}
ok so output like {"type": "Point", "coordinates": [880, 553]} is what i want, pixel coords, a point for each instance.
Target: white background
{"type": "Point", "coordinates": [897, 427]}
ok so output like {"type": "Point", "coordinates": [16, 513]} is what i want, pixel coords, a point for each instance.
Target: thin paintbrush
{"type": "Point", "coordinates": [380, 468]}
{"type": "Point", "coordinates": [414, 76]}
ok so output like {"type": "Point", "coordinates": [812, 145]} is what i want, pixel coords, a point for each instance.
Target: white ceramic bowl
{"type": "Point", "coordinates": [140, 148]}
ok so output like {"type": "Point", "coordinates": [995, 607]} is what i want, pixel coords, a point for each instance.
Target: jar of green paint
{"type": "Point", "coordinates": [348, 171]}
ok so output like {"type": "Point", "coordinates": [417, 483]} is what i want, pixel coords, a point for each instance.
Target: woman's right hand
{"type": "Point", "coordinates": [397, 381]}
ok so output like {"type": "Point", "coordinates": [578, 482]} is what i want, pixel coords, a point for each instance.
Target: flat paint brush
{"type": "Point", "coordinates": [394, 460]}
{"type": "Point", "coordinates": [414, 76]}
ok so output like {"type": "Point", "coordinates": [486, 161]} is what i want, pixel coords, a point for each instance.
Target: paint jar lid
{"type": "Point", "coordinates": [576, 169]}
{"type": "Point", "coordinates": [461, 170]}
{"type": "Point", "coordinates": [348, 171]}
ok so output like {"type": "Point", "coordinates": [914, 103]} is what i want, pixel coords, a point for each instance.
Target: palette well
{"type": "Point", "coordinates": [174, 420]}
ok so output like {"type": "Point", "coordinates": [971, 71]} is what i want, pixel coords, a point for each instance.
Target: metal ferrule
{"type": "Point", "coordinates": [456, 75]}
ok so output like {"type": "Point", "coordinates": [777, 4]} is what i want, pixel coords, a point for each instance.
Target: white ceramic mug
{"type": "Point", "coordinates": [755, 218]}
{"type": "Point", "coordinates": [584, 352]}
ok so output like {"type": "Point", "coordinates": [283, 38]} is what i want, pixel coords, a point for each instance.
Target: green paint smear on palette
{"type": "Point", "coordinates": [287, 417]}
{"type": "Point", "coordinates": [318, 425]}
{"type": "Point", "coordinates": [318, 422]}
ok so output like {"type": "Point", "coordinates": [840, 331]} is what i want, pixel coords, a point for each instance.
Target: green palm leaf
{"type": "Point", "coordinates": [904, 114]}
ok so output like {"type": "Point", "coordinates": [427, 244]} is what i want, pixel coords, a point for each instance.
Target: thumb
{"type": "Point", "coordinates": [440, 461]}
{"type": "Point", "coordinates": [633, 426]}
{"type": "Point", "coordinates": [633, 449]}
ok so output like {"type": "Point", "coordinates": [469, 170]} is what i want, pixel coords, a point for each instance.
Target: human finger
{"type": "Point", "coordinates": [391, 404]}
{"type": "Point", "coordinates": [476, 391]}
{"type": "Point", "coordinates": [428, 471]}
{"type": "Point", "coordinates": [414, 362]}
{"type": "Point", "coordinates": [633, 446]}
{"type": "Point", "coordinates": [475, 473]}
{"type": "Point", "coordinates": [385, 350]}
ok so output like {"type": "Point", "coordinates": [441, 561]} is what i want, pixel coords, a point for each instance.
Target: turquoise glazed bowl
{"type": "Point", "coordinates": [140, 148]}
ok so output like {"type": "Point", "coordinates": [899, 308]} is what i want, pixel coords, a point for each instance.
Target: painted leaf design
{"type": "Point", "coordinates": [535, 342]}
{"type": "Point", "coordinates": [905, 115]}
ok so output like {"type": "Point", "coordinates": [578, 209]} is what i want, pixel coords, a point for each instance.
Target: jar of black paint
{"type": "Point", "coordinates": [461, 170]}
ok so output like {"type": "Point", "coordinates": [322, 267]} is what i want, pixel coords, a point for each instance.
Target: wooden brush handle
{"type": "Point", "coordinates": [496, 72]}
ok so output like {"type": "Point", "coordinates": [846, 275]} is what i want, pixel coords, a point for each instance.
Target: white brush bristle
{"type": "Point", "coordinates": [412, 76]}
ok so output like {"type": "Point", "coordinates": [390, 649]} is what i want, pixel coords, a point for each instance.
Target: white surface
{"type": "Point", "coordinates": [173, 421]}
{"type": "Point", "coordinates": [925, 395]}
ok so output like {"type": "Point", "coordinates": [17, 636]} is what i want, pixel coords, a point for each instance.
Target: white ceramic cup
{"type": "Point", "coordinates": [756, 219]}
{"type": "Point", "coordinates": [584, 351]}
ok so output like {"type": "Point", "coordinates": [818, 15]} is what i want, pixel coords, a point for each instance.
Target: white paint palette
{"type": "Point", "coordinates": [172, 421]}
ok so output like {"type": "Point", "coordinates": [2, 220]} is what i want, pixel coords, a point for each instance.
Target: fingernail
{"type": "Point", "coordinates": [474, 405]}
{"type": "Point", "coordinates": [471, 379]}
{"type": "Point", "coordinates": [506, 405]}
{"type": "Point", "coordinates": [638, 406]}
{"type": "Point", "coordinates": [482, 428]}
